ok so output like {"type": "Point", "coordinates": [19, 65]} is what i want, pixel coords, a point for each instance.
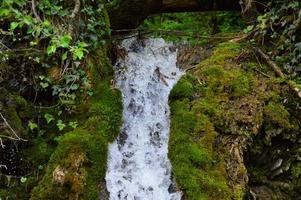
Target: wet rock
{"type": "Point", "coordinates": [277, 172]}
{"type": "Point", "coordinates": [172, 188]}
{"type": "Point", "coordinates": [122, 137]}
{"type": "Point", "coordinates": [277, 164]}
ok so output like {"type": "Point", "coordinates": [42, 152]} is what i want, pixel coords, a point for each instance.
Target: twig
{"type": "Point", "coordinates": [264, 74]}
{"type": "Point", "coordinates": [3, 166]}
{"type": "Point", "coordinates": [76, 8]}
{"type": "Point", "coordinates": [12, 130]}
{"type": "Point", "coordinates": [33, 7]}
{"type": "Point", "coordinates": [278, 71]}
{"type": "Point", "coordinates": [1, 143]}
{"type": "Point", "coordinates": [2, 32]}
{"type": "Point", "coordinates": [47, 107]}
{"type": "Point", "coordinates": [190, 68]}
{"type": "Point", "coordinates": [270, 62]}
{"type": "Point", "coordinates": [8, 137]}
{"type": "Point", "coordinates": [8, 49]}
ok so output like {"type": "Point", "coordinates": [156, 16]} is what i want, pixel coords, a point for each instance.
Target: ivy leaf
{"type": "Point", "coordinates": [73, 124]}
{"type": "Point", "coordinates": [44, 85]}
{"type": "Point", "coordinates": [28, 20]}
{"type": "Point", "coordinates": [48, 117]}
{"type": "Point", "coordinates": [74, 86]}
{"type": "Point", "coordinates": [23, 179]}
{"type": "Point", "coordinates": [90, 92]}
{"type": "Point", "coordinates": [64, 56]}
{"type": "Point", "coordinates": [65, 41]}
{"type": "Point", "coordinates": [83, 44]}
{"type": "Point", "coordinates": [249, 29]}
{"type": "Point", "coordinates": [32, 125]}
{"type": "Point", "coordinates": [78, 53]}
{"type": "Point", "coordinates": [51, 49]}
{"type": "Point", "coordinates": [60, 125]}
{"type": "Point", "coordinates": [13, 25]}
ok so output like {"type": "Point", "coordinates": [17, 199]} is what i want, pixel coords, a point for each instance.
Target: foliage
{"type": "Point", "coordinates": [47, 51]}
{"type": "Point", "coordinates": [87, 143]}
{"type": "Point", "coordinates": [61, 45]}
{"type": "Point", "coordinates": [189, 26]}
{"type": "Point", "coordinates": [280, 28]}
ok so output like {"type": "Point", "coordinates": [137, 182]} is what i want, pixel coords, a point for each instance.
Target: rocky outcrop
{"type": "Point", "coordinates": [238, 126]}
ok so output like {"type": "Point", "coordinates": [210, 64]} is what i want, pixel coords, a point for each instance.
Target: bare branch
{"type": "Point", "coordinates": [33, 7]}
{"type": "Point", "coordinates": [76, 8]}
{"type": "Point", "coordinates": [278, 71]}
{"type": "Point", "coordinates": [12, 130]}
{"type": "Point", "coordinates": [1, 143]}
{"type": "Point", "coordinates": [3, 166]}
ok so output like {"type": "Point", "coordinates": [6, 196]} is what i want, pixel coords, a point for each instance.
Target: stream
{"type": "Point", "coordinates": [138, 165]}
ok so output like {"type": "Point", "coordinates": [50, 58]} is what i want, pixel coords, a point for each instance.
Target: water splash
{"type": "Point", "coordinates": [138, 166]}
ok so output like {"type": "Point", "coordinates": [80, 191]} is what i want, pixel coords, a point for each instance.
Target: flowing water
{"type": "Point", "coordinates": [138, 166]}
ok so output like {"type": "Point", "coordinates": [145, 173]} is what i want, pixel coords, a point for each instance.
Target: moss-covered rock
{"type": "Point", "coordinates": [218, 111]}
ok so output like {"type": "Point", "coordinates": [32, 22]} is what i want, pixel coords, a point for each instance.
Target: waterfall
{"type": "Point", "coordinates": [138, 166]}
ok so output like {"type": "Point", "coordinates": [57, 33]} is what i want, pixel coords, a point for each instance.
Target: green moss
{"type": "Point", "coordinates": [197, 109]}
{"type": "Point", "coordinates": [223, 53]}
{"type": "Point", "coordinates": [296, 170]}
{"type": "Point", "coordinates": [88, 143]}
{"type": "Point", "coordinates": [196, 166]}
{"type": "Point", "coordinates": [13, 105]}
{"type": "Point", "coordinates": [183, 89]}
{"type": "Point", "coordinates": [276, 113]}
{"type": "Point", "coordinates": [242, 84]}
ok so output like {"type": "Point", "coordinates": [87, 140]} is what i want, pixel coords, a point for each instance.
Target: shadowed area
{"type": "Point", "coordinates": [131, 13]}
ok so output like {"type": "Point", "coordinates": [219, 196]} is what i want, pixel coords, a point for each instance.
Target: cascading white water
{"type": "Point", "coordinates": [138, 166]}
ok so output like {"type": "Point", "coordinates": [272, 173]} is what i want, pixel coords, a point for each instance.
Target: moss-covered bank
{"type": "Point", "coordinates": [220, 112]}
{"type": "Point", "coordinates": [77, 167]}
{"type": "Point", "coordinates": [60, 103]}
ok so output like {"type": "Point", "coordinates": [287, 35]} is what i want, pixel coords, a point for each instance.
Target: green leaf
{"type": "Point", "coordinates": [78, 53]}
{"type": "Point", "coordinates": [33, 43]}
{"type": "Point", "coordinates": [73, 124]}
{"type": "Point", "coordinates": [46, 23]}
{"type": "Point", "coordinates": [44, 85]}
{"type": "Point", "coordinates": [32, 125]}
{"type": "Point", "coordinates": [27, 20]}
{"type": "Point", "coordinates": [64, 56]}
{"type": "Point", "coordinates": [60, 125]}
{"type": "Point", "coordinates": [82, 44]}
{"type": "Point", "coordinates": [13, 25]}
{"type": "Point", "coordinates": [90, 92]}
{"type": "Point", "coordinates": [48, 117]}
{"type": "Point", "coordinates": [249, 29]}
{"type": "Point", "coordinates": [74, 86]}
{"type": "Point", "coordinates": [23, 179]}
{"type": "Point", "coordinates": [65, 41]}
{"type": "Point", "coordinates": [51, 49]}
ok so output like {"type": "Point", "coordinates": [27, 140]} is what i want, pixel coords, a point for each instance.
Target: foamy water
{"type": "Point", "coordinates": [138, 166]}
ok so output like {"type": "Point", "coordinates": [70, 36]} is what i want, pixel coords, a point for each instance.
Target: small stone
{"type": "Point", "coordinates": [277, 164]}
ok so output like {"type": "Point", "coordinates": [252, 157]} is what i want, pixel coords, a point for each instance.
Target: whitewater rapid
{"type": "Point", "coordinates": [138, 166]}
